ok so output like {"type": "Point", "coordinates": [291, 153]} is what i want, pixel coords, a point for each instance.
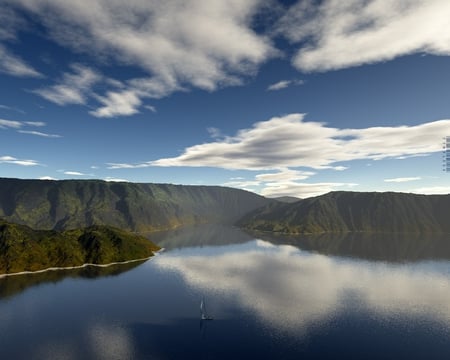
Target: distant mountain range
{"type": "Point", "coordinates": [287, 199]}
{"type": "Point", "coordinates": [69, 204]}
{"type": "Point", "coordinates": [340, 212]}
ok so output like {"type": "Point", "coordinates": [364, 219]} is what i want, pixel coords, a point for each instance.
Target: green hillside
{"type": "Point", "coordinates": [25, 249]}
{"type": "Point", "coordinates": [354, 211]}
{"type": "Point", "coordinates": [69, 204]}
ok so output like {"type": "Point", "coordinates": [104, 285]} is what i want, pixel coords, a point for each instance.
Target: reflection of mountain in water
{"type": "Point", "coordinates": [370, 246]}
{"type": "Point", "coordinates": [14, 285]}
{"type": "Point", "coordinates": [199, 235]}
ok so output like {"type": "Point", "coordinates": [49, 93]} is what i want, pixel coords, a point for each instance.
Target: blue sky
{"type": "Point", "coordinates": [278, 97]}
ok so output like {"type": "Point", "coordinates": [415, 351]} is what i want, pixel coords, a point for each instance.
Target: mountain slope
{"type": "Point", "coordinates": [70, 204]}
{"type": "Point", "coordinates": [25, 249]}
{"type": "Point", "coordinates": [353, 211]}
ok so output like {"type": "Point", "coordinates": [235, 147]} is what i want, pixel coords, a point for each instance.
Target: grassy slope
{"type": "Point", "coordinates": [25, 249]}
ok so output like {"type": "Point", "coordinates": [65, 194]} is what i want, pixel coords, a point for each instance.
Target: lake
{"type": "Point", "coordinates": [326, 297]}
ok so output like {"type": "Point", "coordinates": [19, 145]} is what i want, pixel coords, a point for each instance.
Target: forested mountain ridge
{"type": "Point", "coordinates": [26, 249]}
{"type": "Point", "coordinates": [69, 204]}
{"type": "Point", "coordinates": [343, 211]}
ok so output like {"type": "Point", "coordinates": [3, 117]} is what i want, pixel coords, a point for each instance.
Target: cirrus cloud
{"type": "Point", "coordinates": [403, 179]}
{"type": "Point", "coordinates": [18, 125]}
{"type": "Point", "coordinates": [283, 84]}
{"type": "Point", "coordinates": [6, 159]}
{"type": "Point", "coordinates": [72, 88]}
{"type": "Point", "coordinates": [13, 65]}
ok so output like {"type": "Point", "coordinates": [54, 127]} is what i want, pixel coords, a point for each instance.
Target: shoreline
{"type": "Point", "coordinates": [78, 266]}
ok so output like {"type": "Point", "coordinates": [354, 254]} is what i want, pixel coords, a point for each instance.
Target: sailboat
{"type": "Point", "coordinates": [203, 313]}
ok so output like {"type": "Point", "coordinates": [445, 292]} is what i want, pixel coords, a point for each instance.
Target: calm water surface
{"type": "Point", "coordinates": [282, 298]}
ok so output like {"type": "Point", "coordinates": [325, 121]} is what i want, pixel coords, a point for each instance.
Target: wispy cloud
{"type": "Point", "coordinates": [285, 175]}
{"type": "Point", "coordinates": [19, 125]}
{"type": "Point", "coordinates": [122, 103]}
{"type": "Point", "coordinates": [75, 173]}
{"type": "Point", "coordinates": [5, 107]}
{"type": "Point", "coordinates": [242, 184]}
{"type": "Point", "coordinates": [47, 178]}
{"type": "Point", "coordinates": [340, 34]}
{"type": "Point", "coordinates": [403, 179]}
{"type": "Point", "coordinates": [72, 88]}
{"type": "Point", "coordinates": [151, 108]}
{"type": "Point", "coordinates": [35, 123]}
{"type": "Point", "coordinates": [213, 44]}
{"type": "Point", "coordinates": [38, 133]}
{"type": "Point", "coordinates": [6, 159]}
{"type": "Point", "coordinates": [283, 84]}
{"type": "Point", "coordinates": [302, 190]}
{"type": "Point", "coordinates": [13, 65]}
{"type": "Point", "coordinates": [14, 124]}
{"type": "Point", "coordinates": [4, 124]}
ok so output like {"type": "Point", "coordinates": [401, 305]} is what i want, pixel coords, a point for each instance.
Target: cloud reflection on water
{"type": "Point", "coordinates": [292, 289]}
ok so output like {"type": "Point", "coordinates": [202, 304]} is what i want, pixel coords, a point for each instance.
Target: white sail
{"type": "Point", "coordinates": [204, 314]}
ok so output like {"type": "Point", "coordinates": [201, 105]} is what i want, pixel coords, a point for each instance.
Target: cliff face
{"type": "Point", "coordinates": [69, 204]}
{"type": "Point", "coordinates": [354, 211]}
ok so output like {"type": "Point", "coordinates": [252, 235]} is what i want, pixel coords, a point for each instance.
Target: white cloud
{"type": "Point", "coordinates": [242, 184]}
{"type": "Point", "coordinates": [5, 107]}
{"type": "Point", "coordinates": [38, 133]}
{"type": "Point", "coordinates": [73, 88]}
{"type": "Point", "coordinates": [212, 44]}
{"type": "Point", "coordinates": [113, 179]}
{"type": "Point", "coordinates": [18, 125]}
{"type": "Point", "coordinates": [283, 84]}
{"type": "Point", "coordinates": [4, 124]}
{"type": "Point", "coordinates": [279, 85]}
{"type": "Point", "coordinates": [22, 162]}
{"type": "Point", "coordinates": [122, 103]}
{"type": "Point", "coordinates": [285, 175]}
{"type": "Point", "coordinates": [302, 190]}
{"type": "Point", "coordinates": [430, 190]}
{"type": "Point", "coordinates": [35, 123]}
{"type": "Point", "coordinates": [11, 23]}
{"type": "Point", "coordinates": [13, 65]}
{"type": "Point", "coordinates": [75, 173]}
{"type": "Point", "coordinates": [151, 108]}
{"type": "Point", "coordinates": [289, 141]}
{"type": "Point", "coordinates": [214, 132]}
{"type": "Point", "coordinates": [341, 34]}
{"type": "Point", "coordinates": [47, 178]}
{"type": "Point", "coordinates": [340, 168]}
{"type": "Point", "coordinates": [403, 179]}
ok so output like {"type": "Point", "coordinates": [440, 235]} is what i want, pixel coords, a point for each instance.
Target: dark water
{"type": "Point", "coordinates": [282, 298]}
